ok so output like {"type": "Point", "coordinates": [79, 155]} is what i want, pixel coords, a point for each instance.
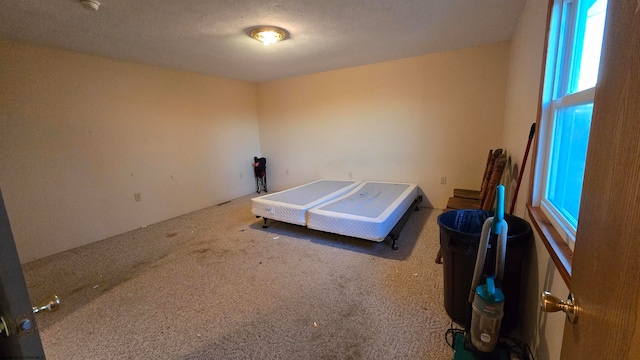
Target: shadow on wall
{"type": "Point", "coordinates": [531, 318]}
{"type": "Point", "coordinates": [539, 328]}
{"type": "Point", "coordinates": [543, 351]}
{"type": "Point", "coordinates": [510, 180]}
{"type": "Point", "coordinates": [425, 200]}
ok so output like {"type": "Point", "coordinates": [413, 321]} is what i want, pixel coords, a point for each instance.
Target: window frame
{"type": "Point", "coordinates": [567, 232]}
{"type": "Point", "coordinates": [543, 220]}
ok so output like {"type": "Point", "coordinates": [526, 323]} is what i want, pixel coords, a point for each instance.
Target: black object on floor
{"type": "Point", "coordinates": [260, 172]}
{"type": "Point", "coordinates": [459, 240]}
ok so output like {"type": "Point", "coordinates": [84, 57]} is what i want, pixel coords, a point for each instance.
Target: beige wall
{"type": "Point", "coordinates": [412, 120]}
{"type": "Point", "coordinates": [81, 134]}
{"type": "Point", "coordinates": [542, 331]}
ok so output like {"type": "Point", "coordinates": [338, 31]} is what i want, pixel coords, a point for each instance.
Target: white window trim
{"type": "Point", "coordinates": [550, 106]}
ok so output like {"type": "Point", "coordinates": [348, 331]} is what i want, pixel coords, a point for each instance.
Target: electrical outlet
{"type": "Point", "coordinates": [443, 180]}
{"type": "Point", "coordinates": [240, 174]}
{"type": "Point", "coordinates": [137, 196]}
{"type": "Point", "coordinates": [350, 175]}
{"type": "Point", "coordinates": [286, 172]}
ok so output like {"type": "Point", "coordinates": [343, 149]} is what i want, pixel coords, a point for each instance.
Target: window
{"type": "Point", "coordinates": [573, 58]}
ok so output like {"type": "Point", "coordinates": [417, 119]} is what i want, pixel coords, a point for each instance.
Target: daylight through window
{"type": "Point", "coordinates": [573, 59]}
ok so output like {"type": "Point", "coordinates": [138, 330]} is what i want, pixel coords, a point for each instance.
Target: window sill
{"type": "Point", "coordinates": [561, 254]}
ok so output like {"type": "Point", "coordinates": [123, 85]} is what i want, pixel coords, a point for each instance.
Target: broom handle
{"type": "Point", "coordinates": [524, 163]}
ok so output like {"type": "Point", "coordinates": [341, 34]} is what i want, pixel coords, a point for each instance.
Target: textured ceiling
{"type": "Point", "coordinates": [210, 36]}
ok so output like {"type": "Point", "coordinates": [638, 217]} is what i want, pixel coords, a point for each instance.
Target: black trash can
{"type": "Point", "coordinates": [459, 240]}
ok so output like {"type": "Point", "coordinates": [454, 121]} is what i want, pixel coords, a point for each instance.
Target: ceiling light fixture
{"type": "Point", "coordinates": [90, 4]}
{"type": "Point", "coordinates": [268, 34]}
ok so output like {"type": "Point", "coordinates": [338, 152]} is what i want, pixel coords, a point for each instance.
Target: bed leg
{"type": "Point", "coordinates": [393, 244]}
{"type": "Point", "coordinates": [264, 225]}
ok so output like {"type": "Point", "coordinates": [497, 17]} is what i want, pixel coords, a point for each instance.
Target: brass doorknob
{"type": "Point", "coordinates": [550, 303]}
{"type": "Point", "coordinates": [52, 304]}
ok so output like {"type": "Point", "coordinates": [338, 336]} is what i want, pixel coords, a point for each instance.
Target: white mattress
{"type": "Point", "coordinates": [291, 205]}
{"type": "Point", "coordinates": [370, 211]}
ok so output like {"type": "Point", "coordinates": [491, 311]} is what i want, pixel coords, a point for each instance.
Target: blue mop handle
{"type": "Point", "coordinates": [498, 217]}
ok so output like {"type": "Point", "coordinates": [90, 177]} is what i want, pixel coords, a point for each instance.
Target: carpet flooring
{"type": "Point", "coordinates": [213, 284]}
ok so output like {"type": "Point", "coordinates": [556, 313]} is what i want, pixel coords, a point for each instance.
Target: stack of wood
{"type": "Point", "coordinates": [484, 198]}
